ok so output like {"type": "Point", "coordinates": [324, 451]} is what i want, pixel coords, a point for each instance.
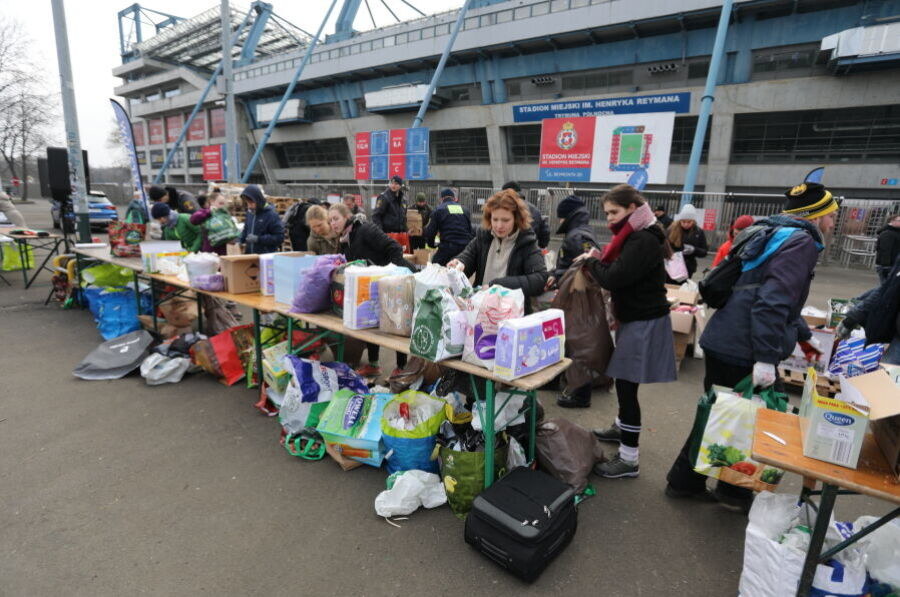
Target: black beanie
{"type": "Point", "coordinates": [809, 200]}
{"type": "Point", "coordinates": [568, 205]}
{"type": "Point", "coordinates": [160, 210]}
{"type": "Point", "coordinates": [512, 185]}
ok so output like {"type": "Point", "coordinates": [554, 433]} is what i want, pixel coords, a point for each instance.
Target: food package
{"type": "Point", "coordinates": [395, 299]}
{"type": "Point", "coordinates": [530, 343]}
{"type": "Point", "coordinates": [490, 307]}
{"type": "Point", "coordinates": [352, 423]}
{"type": "Point", "coordinates": [361, 308]}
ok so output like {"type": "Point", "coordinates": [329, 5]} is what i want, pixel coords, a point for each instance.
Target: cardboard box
{"type": "Point", "coordinates": [833, 430]}
{"type": "Point", "coordinates": [241, 273]}
{"type": "Point", "coordinates": [154, 251]}
{"type": "Point", "coordinates": [815, 321]}
{"type": "Point", "coordinates": [422, 256]}
{"type": "Point", "coordinates": [682, 322]}
{"type": "Point", "coordinates": [414, 222]}
{"type": "Point", "coordinates": [678, 295]}
{"type": "Point", "coordinates": [274, 372]}
{"type": "Point", "coordinates": [681, 344]}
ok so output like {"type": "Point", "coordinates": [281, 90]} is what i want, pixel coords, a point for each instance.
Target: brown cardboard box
{"type": "Point", "coordinates": [414, 222]}
{"type": "Point", "coordinates": [688, 297]}
{"type": "Point", "coordinates": [883, 396]}
{"type": "Point", "coordinates": [681, 344]}
{"type": "Point", "coordinates": [422, 256]}
{"type": "Point", "coordinates": [241, 273]}
{"type": "Point", "coordinates": [682, 323]}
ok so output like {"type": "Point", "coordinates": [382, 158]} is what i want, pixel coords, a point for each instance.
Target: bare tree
{"type": "Point", "coordinates": [27, 110]}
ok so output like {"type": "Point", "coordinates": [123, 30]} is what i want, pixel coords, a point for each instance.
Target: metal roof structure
{"type": "Point", "coordinates": [196, 42]}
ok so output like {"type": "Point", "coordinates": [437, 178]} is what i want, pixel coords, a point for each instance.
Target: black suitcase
{"type": "Point", "coordinates": [523, 521]}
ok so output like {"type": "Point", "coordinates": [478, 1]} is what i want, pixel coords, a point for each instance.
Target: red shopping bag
{"type": "Point", "coordinates": [221, 355]}
{"type": "Point", "coordinates": [402, 239]}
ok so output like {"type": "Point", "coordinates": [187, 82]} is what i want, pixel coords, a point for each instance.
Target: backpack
{"type": "Point", "coordinates": [718, 285]}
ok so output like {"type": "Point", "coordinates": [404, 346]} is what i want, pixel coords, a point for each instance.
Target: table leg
{"type": "Point", "coordinates": [199, 312]}
{"type": "Point", "coordinates": [489, 439]}
{"type": "Point", "coordinates": [257, 344]}
{"type": "Point", "coordinates": [339, 348]}
{"type": "Point", "coordinates": [51, 251]}
{"type": "Point", "coordinates": [23, 259]}
{"type": "Point", "coordinates": [137, 290]}
{"type": "Point", "coordinates": [290, 335]}
{"type": "Point", "coordinates": [823, 517]}
{"type": "Point", "coordinates": [532, 424]}
{"type": "Point", "coordinates": [153, 305]}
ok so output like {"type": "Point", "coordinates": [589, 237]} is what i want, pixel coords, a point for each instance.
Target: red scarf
{"type": "Point", "coordinates": [637, 220]}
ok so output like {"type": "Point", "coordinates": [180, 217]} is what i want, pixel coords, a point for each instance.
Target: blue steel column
{"type": "Point", "coordinates": [199, 104]}
{"type": "Point", "coordinates": [287, 94]}
{"type": "Point", "coordinates": [709, 95]}
{"type": "Point", "coordinates": [440, 67]}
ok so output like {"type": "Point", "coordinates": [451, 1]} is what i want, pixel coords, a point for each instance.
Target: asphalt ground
{"type": "Point", "coordinates": [115, 487]}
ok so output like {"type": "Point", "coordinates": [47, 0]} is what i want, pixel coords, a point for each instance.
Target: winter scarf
{"type": "Point", "coordinates": [639, 219]}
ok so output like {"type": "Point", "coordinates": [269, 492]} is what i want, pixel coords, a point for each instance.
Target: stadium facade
{"type": "Point", "coordinates": [803, 83]}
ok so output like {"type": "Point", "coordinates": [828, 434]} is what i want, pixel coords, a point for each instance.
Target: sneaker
{"type": "Point", "coordinates": [615, 468]}
{"type": "Point", "coordinates": [369, 371]}
{"type": "Point", "coordinates": [610, 434]}
{"type": "Point", "coordinates": [703, 496]}
{"type": "Point", "coordinates": [573, 401]}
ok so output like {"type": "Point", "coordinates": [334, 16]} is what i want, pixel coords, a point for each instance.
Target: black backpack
{"type": "Point", "coordinates": [718, 285]}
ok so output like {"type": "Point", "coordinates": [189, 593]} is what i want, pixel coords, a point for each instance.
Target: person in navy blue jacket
{"type": "Point", "coordinates": [760, 324]}
{"type": "Point", "coordinates": [453, 223]}
{"type": "Point", "coordinates": [263, 231]}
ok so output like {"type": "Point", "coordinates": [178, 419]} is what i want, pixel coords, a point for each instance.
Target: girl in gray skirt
{"type": "Point", "coordinates": [632, 268]}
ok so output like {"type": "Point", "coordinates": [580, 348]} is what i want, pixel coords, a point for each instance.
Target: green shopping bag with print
{"type": "Point", "coordinates": [220, 228]}
{"type": "Point", "coordinates": [463, 476]}
{"type": "Point", "coordinates": [722, 436]}
{"type": "Point", "coordinates": [439, 326]}
{"type": "Point", "coordinates": [12, 259]}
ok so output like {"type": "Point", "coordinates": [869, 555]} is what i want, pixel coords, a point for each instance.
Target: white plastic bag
{"type": "Point", "coordinates": [770, 568]}
{"type": "Point", "coordinates": [157, 369]}
{"type": "Point", "coordinates": [515, 456]}
{"type": "Point", "coordinates": [882, 550]}
{"type": "Point", "coordinates": [412, 489]}
{"type": "Point", "coordinates": [438, 276]}
{"type": "Point", "coordinates": [506, 415]}
{"type": "Point", "coordinates": [676, 268]}
{"type": "Point", "coordinates": [201, 264]}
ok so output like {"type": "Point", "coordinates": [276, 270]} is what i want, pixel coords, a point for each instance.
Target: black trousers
{"type": "Point", "coordinates": [682, 476]}
{"type": "Point", "coordinates": [375, 352]}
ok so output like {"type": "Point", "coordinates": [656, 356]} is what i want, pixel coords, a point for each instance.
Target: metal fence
{"type": "Point", "coordinates": [857, 217]}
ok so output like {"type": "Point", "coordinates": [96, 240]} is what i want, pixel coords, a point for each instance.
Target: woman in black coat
{"type": "Point", "coordinates": [687, 237]}
{"type": "Point", "coordinates": [364, 240]}
{"type": "Point", "coordinates": [504, 251]}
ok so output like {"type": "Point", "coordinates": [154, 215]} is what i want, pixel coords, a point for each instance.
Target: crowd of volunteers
{"type": "Point", "coordinates": [750, 335]}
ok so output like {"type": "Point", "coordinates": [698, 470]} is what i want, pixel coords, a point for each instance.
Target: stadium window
{"type": "Point", "coordinates": [522, 12]}
{"type": "Point", "coordinates": [488, 19]}
{"type": "Point", "coordinates": [523, 143]}
{"type": "Point", "coordinates": [427, 32]}
{"type": "Point", "coordinates": [620, 77]}
{"type": "Point", "coordinates": [513, 88]}
{"type": "Point", "coordinates": [865, 134]}
{"type": "Point", "coordinates": [345, 51]}
{"type": "Point", "coordinates": [366, 46]}
{"type": "Point", "coordinates": [558, 5]}
{"type": "Point", "coordinates": [580, 3]}
{"type": "Point", "coordinates": [698, 70]}
{"type": "Point", "coordinates": [683, 140]}
{"type": "Point", "coordinates": [459, 146]}
{"type": "Point", "coordinates": [153, 97]}
{"type": "Point", "coordinates": [504, 16]}
{"type": "Point", "coordinates": [388, 41]}
{"type": "Point", "coordinates": [402, 38]}
{"type": "Point", "coordinates": [442, 29]}
{"type": "Point", "coordinates": [354, 49]}
{"type": "Point", "coordinates": [171, 92]}
{"type": "Point", "coordinates": [313, 153]}
{"type": "Point", "coordinates": [459, 94]}
{"type": "Point", "coordinates": [541, 8]}
{"type": "Point", "coordinates": [415, 35]}
{"type": "Point", "coordinates": [377, 44]}
{"type": "Point", "coordinates": [780, 59]}
{"type": "Point", "coordinates": [471, 23]}
{"type": "Point", "coordinates": [320, 112]}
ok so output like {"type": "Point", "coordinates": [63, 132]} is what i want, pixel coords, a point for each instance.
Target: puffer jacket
{"type": "Point", "coordinates": [761, 321]}
{"type": "Point", "coordinates": [367, 241]}
{"type": "Point", "coordinates": [390, 211]}
{"type": "Point", "coordinates": [879, 311]}
{"type": "Point", "coordinates": [264, 223]}
{"type": "Point", "coordinates": [579, 237]}
{"type": "Point", "coordinates": [887, 247]}
{"type": "Point", "coordinates": [525, 269]}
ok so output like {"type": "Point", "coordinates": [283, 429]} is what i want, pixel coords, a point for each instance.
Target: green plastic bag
{"type": "Point", "coordinates": [463, 476]}
{"type": "Point", "coordinates": [107, 275]}
{"type": "Point", "coordinates": [12, 261]}
{"type": "Point", "coordinates": [439, 326]}
{"type": "Point", "coordinates": [220, 228]}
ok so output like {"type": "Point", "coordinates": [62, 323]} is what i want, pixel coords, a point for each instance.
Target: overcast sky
{"type": "Point", "coordinates": [94, 45]}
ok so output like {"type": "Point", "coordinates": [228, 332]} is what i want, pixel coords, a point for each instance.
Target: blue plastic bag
{"type": "Point", "coordinates": [409, 426]}
{"type": "Point", "coordinates": [114, 310]}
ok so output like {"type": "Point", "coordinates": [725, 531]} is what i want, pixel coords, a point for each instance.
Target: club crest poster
{"type": "Point", "coordinates": [608, 149]}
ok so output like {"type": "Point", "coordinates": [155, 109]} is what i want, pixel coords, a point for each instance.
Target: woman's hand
{"type": "Point", "coordinates": [551, 284]}
{"type": "Point", "coordinates": [456, 264]}
{"type": "Point", "coordinates": [594, 253]}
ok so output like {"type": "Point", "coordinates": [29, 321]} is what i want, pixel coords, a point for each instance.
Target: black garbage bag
{"type": "Point", "coordinates": [116, 358]}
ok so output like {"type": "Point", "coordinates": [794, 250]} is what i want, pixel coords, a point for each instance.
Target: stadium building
{"type": "Point", "coordinates": [803, 83]}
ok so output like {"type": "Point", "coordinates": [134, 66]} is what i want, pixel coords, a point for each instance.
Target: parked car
{"type": "Point", "coordinates": [100, 210]}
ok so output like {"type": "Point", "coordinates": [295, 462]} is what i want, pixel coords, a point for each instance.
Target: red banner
{"type": "Point", "coordinates": [137, 127]}
{"type": "Point", "coordinates": [156, 131]}
{"type": "Point", "coordinates": [709, 218]}
{"type": "Point", "coordinates": [397, 166]}
{"type": "Point", "coordinates": [567, 142]}
{"type": "Point", "coordinates": [397, 142]}
{"type": "Point", "coordinates": [217, 122]}
{"type": "Point", "coordinates": [173, 127]}
{"type": "Point", "coordinates": [212, 163]}
{"type": "Point", "coordinates": [362, 168]}
{"type": "Point", "coordinates": [197, 130]}
{"type": "Point", "coordinates": [363, 144]}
